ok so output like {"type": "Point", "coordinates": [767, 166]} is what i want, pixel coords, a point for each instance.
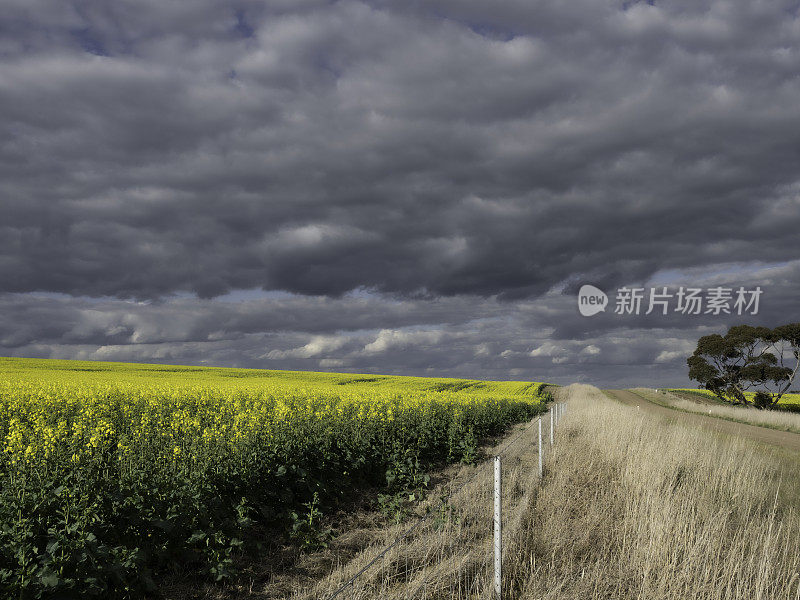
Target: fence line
{"type": "Point", "coordinates": [541, 450]}
{"type": "Point", "coordinates": [498, 528]}
{"type": "Point", "coordinates": [554, 411]}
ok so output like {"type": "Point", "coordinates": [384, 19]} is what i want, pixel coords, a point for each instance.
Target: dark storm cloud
{"type": "Point", "coordinates": [154, 149]}
{"type": "Point", "coordinates": [432, 156]}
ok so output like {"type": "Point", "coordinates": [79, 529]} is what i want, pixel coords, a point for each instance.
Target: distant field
{"type": "Point", "coordinates": [790, 402]}
{"type": "Point", "coordinates": [112, 470]}
{"type": "Point", "coordinates": [38, 371]}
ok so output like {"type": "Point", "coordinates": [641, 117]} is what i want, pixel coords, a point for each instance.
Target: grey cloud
{"type": "Point", "coordinates": [428, 155]}
{"type": "Point", "coordinates": [26, 319]}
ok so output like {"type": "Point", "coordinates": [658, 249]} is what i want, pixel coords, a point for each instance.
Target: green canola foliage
{"type": "Point", "coordinates": [110, 472]}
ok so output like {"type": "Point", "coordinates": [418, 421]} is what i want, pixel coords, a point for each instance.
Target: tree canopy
{"type": "Point", "coordinates": [748, 359]}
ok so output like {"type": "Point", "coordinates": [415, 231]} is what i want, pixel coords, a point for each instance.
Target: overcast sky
{"type": "Point", "coordinates": [394, 187]}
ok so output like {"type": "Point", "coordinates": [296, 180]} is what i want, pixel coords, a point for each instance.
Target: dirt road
{"type": "Point", "coordinates": [696, 398]}
{"type": "Point", "coordinates": [773, 437]}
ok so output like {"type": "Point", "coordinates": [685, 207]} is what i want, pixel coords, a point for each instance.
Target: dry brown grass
{"type": "Point", "coordinates": [637, 508]}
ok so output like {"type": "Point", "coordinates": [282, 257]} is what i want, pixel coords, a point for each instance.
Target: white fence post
{"type": "Point", "coordinates": [552, 410]}
{"type": "Point", "coordinates": [498, 532]}
{"type": "Point", "coordinates": [540, 447]}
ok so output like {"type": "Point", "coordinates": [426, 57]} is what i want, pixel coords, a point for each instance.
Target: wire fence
{"type": "Point", "coordinates": [449, 551]}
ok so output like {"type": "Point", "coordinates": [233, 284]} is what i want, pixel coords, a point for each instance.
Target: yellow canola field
{"type": "Point", "coordinates": [112, 470]}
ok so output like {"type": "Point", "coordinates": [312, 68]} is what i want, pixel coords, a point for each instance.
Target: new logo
{"type": "Point", "coordinates": [591, 300]}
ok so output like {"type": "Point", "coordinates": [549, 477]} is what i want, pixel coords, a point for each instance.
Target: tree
{"type": "Point", "coordinates": [748, 358]}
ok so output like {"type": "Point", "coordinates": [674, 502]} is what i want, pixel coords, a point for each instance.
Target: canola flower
{"type": "Point", "coordinates": [109, 470]}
